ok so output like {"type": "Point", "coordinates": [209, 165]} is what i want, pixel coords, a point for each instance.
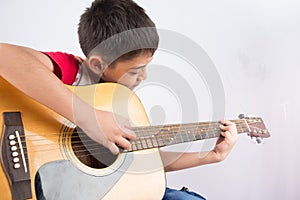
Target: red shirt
{"type": "Point", "coordinates": [65, 66]}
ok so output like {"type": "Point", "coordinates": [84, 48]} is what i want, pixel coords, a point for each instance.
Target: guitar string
{"type": "Point", "coordinates": [140, 143]}
{"type": "Point", "coordinates": [141, 129]}
{"type": "Point", "coordinates": [91, 153]}
{"type": "Point", "coordinates": [141, 132]}
{"type": "Point", "coordinates": [163, 136]}
{"type": "Point", "coordinates": [86, 150]}
{"type": "Point", "coordinates": [140, 147]}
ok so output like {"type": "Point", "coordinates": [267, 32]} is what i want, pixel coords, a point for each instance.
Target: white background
{"type": "Point", "coordinates": [255, 47]}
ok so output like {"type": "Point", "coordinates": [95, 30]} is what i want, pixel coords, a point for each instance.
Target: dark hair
{"type": "Point", "coordinates": [116, 30]}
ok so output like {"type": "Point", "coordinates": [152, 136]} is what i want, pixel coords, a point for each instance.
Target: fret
{"type": "Point", "coordinates": [239, 129]}
{"type": "Point", "coordinates": [198, 136]}
{"type": "Point", "coordinates": [144, 144]}
{"type": "Point", "coordinates": [184, 138]}
{"type": "Point", "coordinates": [242, 129]}
{"type": "Point", "coordinates": [149, 142]}
{"type": "Point", "coordinates": [138, 144]}
{"type": "Point", "coordinates": [182, 133]}
{"type": "Point", "coordinates": [160, 141]}
{"type": "Point", "coordinates": [217, 133]}
{"type": "Point", "coordinates": [203, 136]}
{"type": "Point", "coordinates": [154, 141]}
{"type": "Point", "coordinates": [172, 134]}
{"type": "Point", "coordinates": [177, 138]}
{"type": "Point", "coordinates": [241, 125]}
{"type": "Point", "coordinates": [187, 134]}
{"type": "Point", "coordinates": [133, 146]}
{"type": "Point", "coordinates": [166, 140]}
{"type": "Point", "coordinates": [201, 132]}
{"type": "Point", "coordinates": [167, 136]}
{"type": "Point", "coordinates": [191, 135]}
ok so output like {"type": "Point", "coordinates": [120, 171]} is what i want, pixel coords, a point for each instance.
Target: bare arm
{"type": "Point", "coordinates": [31, 72]}
{"type": "Point", "coordinates": [182, 160]}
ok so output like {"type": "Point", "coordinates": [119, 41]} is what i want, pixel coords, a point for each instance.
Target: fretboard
{"type": "Point", "coordinates": [165, 135]}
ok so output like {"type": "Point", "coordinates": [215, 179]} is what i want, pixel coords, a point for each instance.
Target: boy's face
{"type": "Point", "coordinates": [128, 72]}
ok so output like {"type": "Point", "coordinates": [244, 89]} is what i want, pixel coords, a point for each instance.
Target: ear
{"type": "Point", "coordinates": [96, 64]}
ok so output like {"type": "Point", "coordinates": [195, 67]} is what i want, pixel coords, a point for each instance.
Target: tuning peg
{"type": "Point", "coordinates": [257, 140]}
{"type": "Point", "coordinates": [253, 140]}
{"type": "Point", "coordinates": [241, 116]}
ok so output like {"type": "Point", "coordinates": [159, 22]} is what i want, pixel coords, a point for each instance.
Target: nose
{"type": "Point", "coordinates": [143, 75]}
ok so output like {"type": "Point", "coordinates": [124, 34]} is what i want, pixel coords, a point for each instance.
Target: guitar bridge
{"type": "Point", "coordinates": [14, 157]}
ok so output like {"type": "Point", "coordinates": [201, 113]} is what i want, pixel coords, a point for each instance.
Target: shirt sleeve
{"type": "Point", "coordinates": [65, 66]}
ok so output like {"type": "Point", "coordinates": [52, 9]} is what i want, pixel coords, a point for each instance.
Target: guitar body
{"type": "Point", "coordinates": [62, 173]}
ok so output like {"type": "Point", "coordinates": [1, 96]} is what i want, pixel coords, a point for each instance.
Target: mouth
{"type": "Point", "coordinates": [134, 86]}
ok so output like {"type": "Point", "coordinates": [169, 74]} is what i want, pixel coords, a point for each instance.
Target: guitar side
{"type": "Point", "coordinates": [38, 123]}
{"type": "Point", "coordinates": [43, 138]}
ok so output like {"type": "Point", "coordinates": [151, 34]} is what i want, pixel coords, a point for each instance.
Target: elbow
{"type": "Point", "coordinates": [2, 51]}
{"type": "Point", "coordinates": [4, 48]}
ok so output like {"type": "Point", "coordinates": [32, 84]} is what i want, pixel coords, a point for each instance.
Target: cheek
{"type": "Point", "coordinates": [128, 80]}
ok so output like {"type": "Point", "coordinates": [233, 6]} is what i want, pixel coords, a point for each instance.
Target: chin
{"type": "Point", "coordinates": [132, 87]}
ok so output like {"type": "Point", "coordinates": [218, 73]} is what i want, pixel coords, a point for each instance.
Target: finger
{"type": "Point", "coordinates": [226, 122]}
{"type": "Point", "coordinates": [226, 134]}
{"type": "Point", "coordinates": [125, 128]}
{"type": "Point", "coordinates": [112, 148]}
{"type": "Point", "coordinates": [123, 143]}
{"type": "Point", "coordinates": [222, 127]}
{"type": "Point", "coordinates": [122, 120]}
{"type": "Point", "coordinates": [128, 133]}
{"type": "Point", "coordinates": [225, 127]}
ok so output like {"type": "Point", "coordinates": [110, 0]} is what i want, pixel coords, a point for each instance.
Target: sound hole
{"type": "Point", "coordinates": [90, 152]}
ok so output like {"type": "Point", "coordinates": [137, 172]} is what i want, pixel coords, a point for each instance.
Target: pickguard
{"type": "Point", "coordinates": [61, 180]}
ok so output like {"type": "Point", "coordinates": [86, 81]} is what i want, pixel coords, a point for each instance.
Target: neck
{"type": "Point", "coordinates": [165, 135]}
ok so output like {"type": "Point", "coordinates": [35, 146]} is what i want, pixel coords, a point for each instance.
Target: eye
{"type": "Point", "coordinates": [133, 73]}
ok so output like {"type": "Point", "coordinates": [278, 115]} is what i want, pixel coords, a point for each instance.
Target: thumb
{"type": "Point", "coordinates": [112, 148]}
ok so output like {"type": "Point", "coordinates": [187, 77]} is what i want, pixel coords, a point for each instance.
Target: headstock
{"type": "Point", "coordinates": [257, 128]}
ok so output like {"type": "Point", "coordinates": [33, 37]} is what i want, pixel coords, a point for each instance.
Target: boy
{"type": "Point", "coordinates": [119, 40]}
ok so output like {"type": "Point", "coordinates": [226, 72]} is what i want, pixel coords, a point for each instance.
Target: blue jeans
{"type": "Point", "coordinates": [183, 194]}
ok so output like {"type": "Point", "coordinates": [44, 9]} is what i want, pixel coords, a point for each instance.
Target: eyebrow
{"type": "Point", "coordinates": [138, 67]}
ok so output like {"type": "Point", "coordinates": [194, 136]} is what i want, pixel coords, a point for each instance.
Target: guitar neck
{"type": "Point", "coordinates": [165, 135]}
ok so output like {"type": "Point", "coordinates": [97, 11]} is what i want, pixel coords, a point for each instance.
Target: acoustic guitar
{"type": "Point", "coordinates": [45, 156]}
